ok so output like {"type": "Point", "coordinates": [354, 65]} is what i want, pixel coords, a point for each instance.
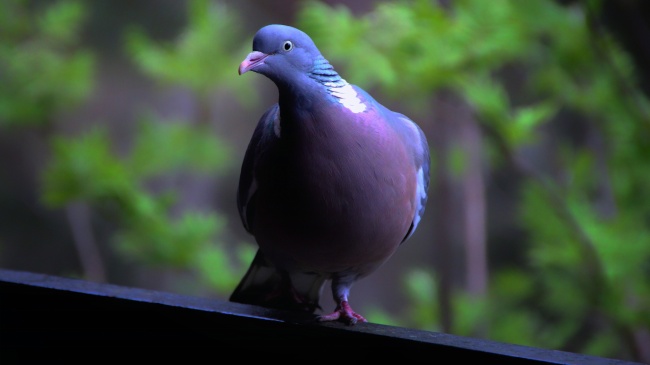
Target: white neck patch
{"type": "Point", "coordinates": [346, 95]}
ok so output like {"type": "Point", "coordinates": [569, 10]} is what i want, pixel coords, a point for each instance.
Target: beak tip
{"type": "Point", "coordinates": [252, 60]}
{"type": "Point", "coordinates": [243, 68]}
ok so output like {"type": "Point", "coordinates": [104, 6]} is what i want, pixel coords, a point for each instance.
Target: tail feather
{"type": "Point", "coordinates": [258, 282]}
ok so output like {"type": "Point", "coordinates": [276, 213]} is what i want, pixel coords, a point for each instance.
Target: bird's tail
{"type": "Point", "coordinates": [266, 286]}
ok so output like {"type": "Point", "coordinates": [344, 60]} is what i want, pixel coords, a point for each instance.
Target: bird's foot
{"type": "Point", "coordinates": [343, 313]}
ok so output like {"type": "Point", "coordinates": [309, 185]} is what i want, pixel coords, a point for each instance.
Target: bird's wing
{"type": "Point", "coordinates": [416, 141]}
{"type": "Point", "coordinates": [263, 136]}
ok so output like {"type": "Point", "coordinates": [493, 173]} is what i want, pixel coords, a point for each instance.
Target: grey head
{"type": "Point", "coordinates": [281, 53]}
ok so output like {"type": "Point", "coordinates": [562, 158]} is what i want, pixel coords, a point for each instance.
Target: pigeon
{"type": "Point", "coordinates": [331, 184]}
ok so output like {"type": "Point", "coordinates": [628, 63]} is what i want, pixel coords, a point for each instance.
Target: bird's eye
{"type": "Point", "coordinates": [287, 46]}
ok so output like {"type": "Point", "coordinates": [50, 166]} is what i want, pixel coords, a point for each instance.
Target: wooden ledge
{"type": "Point", "coordinates": [49, 319]}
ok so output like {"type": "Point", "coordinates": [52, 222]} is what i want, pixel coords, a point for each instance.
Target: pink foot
{"type": "Point", "coordinates": [343, 313]}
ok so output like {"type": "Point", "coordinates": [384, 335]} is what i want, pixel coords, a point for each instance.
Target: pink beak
{"type": "Point", "coordinates": [251, 61]}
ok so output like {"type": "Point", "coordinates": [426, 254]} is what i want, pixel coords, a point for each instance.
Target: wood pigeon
{"type": "Point", "coordinates": [331, 184]}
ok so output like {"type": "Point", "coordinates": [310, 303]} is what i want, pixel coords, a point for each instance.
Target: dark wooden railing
{"type": "Point", "coordinates": [48, 319]}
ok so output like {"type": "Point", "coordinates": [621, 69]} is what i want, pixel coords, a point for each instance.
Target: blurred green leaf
{"type": "Point", "coordinates": [43, 74]}
{"type": "Point", "coordinates": [163, 146]}
{"type": "Point", "coordinates": [203, 58]}
{"type": "Point", "coordinates": [421, 288]}
{"type": "Point", "coordinates": [85, 168]}
{"type": "Point", "coordinates": [56, 21]}
{"type": "Point", "coordinates": [525, 121]}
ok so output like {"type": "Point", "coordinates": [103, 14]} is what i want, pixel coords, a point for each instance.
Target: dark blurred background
{"type": "Point", "coordinates": [123, 126]}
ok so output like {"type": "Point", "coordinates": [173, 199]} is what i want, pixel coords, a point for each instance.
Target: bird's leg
{"type": "Point", "coordinates": [285, 296]}
{"type": "Point", "coordinates": [300, 301]}
{"type": "Point", "coordinates": [343, 311]}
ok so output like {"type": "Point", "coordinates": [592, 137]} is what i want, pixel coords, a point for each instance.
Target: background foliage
{"type": "Point", "coordinates": [554, 96]}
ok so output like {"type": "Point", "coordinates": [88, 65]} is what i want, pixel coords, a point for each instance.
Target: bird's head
{"type": "Point", "coordinates": [280, 51]}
